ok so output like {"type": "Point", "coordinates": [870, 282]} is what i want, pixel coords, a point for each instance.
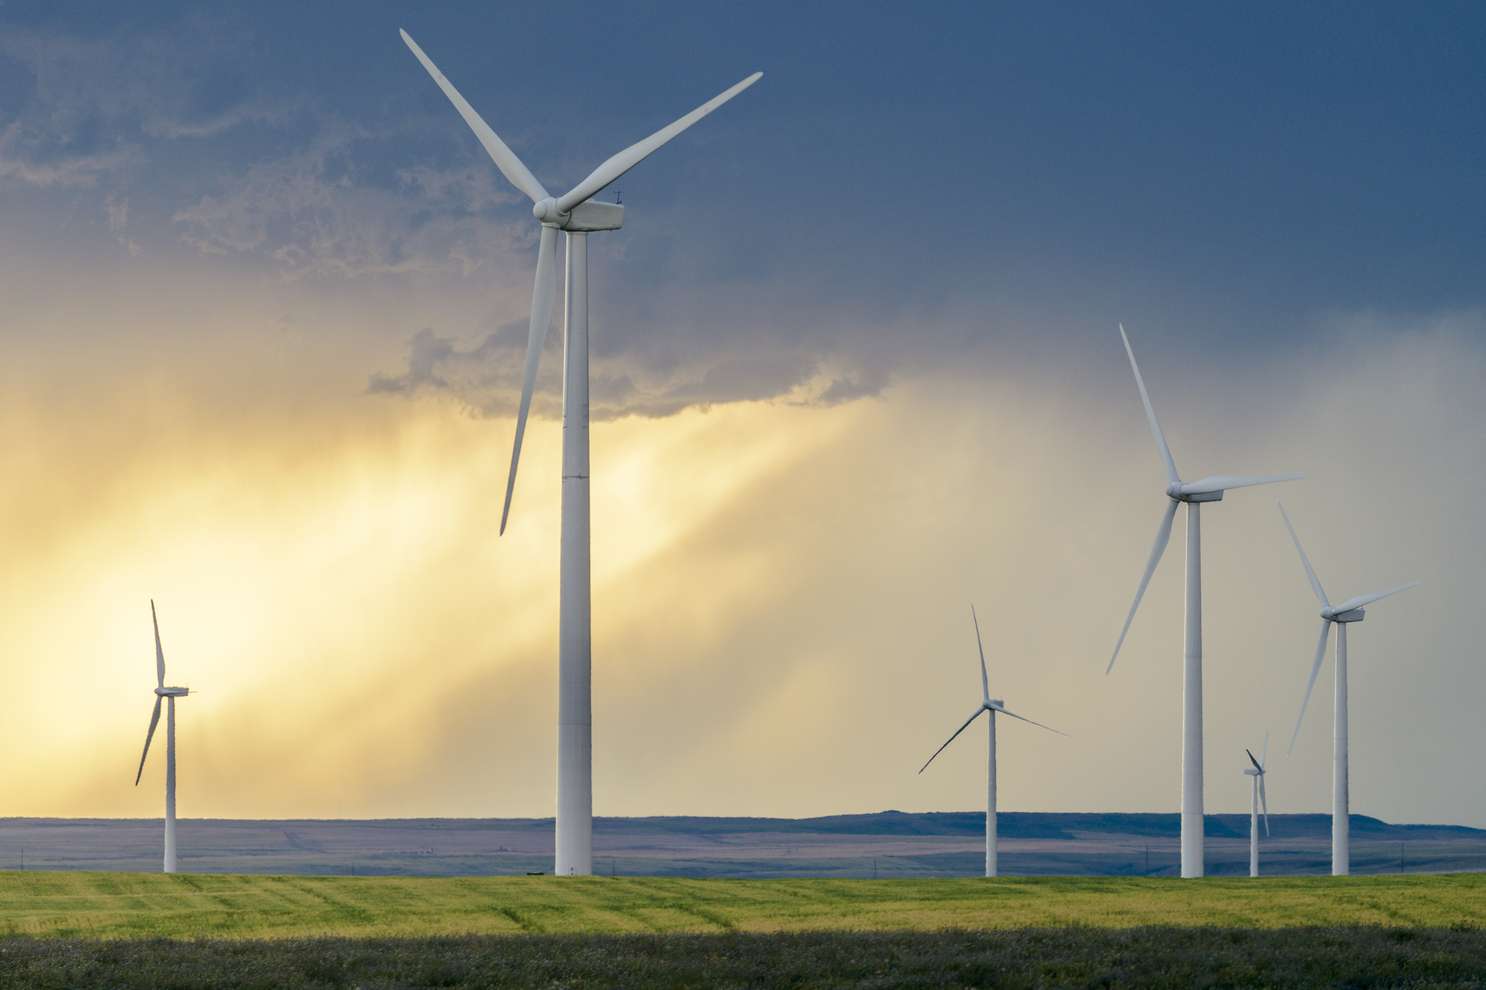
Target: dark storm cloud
{"type": "Point", "coordinates": [992, 181]}
{"type": "Point", "coordinates": [427, 351]}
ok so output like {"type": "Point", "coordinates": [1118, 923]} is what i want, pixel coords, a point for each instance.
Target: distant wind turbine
{"type": "Point", "coordinates": [991, 705]}
{"type": "Point", "coordinates": [576, 213]}
{"type": "Point", "coordinates": [1340, 616]}
{"type": "Point", "coordinates": [168, 695]}
{"type": "Point", "coordinates": [1257, 771]}
{"type": "Point", "coordinates": [1193, 493]}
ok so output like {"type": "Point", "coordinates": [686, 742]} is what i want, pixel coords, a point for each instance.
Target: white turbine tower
{"type": "Point", "coordinates": [1193, 493]}
{"type": "Point", "coordinates": [1257, 771]}
{"type": "Point", "coordinates": [991, 705]}
{"type": "Point", "coordinates": [168, 695]}
{"type": "Point", "coordinates": [1341, 616]}
{"type": "Point", "coordinates": [576, 214]}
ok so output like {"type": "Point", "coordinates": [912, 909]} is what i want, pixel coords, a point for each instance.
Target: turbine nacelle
{"type": "Point", "coordinates": [1177, 492]}
{"type": "Point", "coordinates": [586, 217]}
{"type": "Point", "coordinates": [172, 692]}
{"type": "Point", "coordinates": [1215, 486]}
{"type": "Point", "coordinates": [1336, 615]}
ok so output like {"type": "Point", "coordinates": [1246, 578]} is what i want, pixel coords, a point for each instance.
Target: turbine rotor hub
{"type": "Point", "coordinates": [546, 211]}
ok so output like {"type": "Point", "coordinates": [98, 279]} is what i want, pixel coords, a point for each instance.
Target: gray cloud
{"type": "Point", "coordinates": [336, 207]}
{"type": "Point", "coordinates": [486, 377]}
{"type": "Point", "coordinates": [61, 169]}
{"type": "Point", "coordinates": [427, 352]}
{"type": "Point", "coordinates": [116, 213]}
{"type": "Point", "coordinates": [472, 187]}
{"type": "Point", "coordinates": [861, 385]}
{"type": "Point", "coordinates": [90, 107]}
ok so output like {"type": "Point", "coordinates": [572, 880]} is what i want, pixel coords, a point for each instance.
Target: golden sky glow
{"type": "Point", "coordinates": [780, 602]}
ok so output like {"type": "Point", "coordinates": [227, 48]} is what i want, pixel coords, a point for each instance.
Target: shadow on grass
{"type": "Point", "coordinates": [1034, 957]}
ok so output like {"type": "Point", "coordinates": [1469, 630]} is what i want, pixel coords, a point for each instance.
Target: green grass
{"type": "Point", "coordinates": [138, 905]}
{"type": "Point", "coordinates": [136, 931]}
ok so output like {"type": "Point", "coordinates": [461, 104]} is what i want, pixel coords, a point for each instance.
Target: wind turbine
{"type": "Point", "coordinates": [1193, 493]}
{"type": "Point", "coordinates": [992, 705]}
{"type": "Point", "coordinates": [576, 214]}
{"type": "Point", "coordinates": [1349, 611]}
{"type": "Point", "coordinates": [166, 694]}
{"type": "Point", "coordinates": [1257, 772]}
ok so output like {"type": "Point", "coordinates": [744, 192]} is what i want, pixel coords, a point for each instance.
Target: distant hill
{"type": "Point", "coordinates": [1033, 825]}
{"type": "Point", "coordinates": [886, 843]}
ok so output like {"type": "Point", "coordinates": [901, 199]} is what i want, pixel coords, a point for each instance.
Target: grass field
{"type": "Point", "coordinates": [221, 931]}
{"type": "Point", "coordinates": [134, 905]}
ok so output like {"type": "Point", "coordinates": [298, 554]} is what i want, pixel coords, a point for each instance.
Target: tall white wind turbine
{"type": "Point", "coordinates": [167, 695]}
{"type": "Point", "coordinates": [1257, 772]}
{"type": "Point", "coordinates": [576, 213]}
{"type": "Point", "coordinates": [1193, 493]}
{"type": "Point", "coordinates": [1341, 616]}
{"type": "Point", "coordinates": [991, 705]}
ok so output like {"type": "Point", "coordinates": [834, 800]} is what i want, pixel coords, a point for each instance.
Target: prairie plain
{"type": "Point", "coordinates": [884, 844]}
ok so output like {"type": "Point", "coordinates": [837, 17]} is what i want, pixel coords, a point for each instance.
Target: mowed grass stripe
{"type": "Point", "coordinates": [113, 905]}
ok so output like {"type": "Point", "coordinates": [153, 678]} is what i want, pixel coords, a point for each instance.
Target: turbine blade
{"type": "Point", "coordinates": [985, 677]}
{"type": "Point", "coordinates": [1254, 761]}
{"type": "Point", "coordinates": [1264, 803]}
{"type": "Point", "coordinates": [541, 315]}
{"type": "Point", "coordinates": [1226, 482]}
{"type": "Point", "coordinates": [1311, 684]}
{"type": "Point", "coordinates": [505, 159]}
{"type": "Point", "coordinates": [159, 653]}
{"type": "Point", "coordinates": [1150, 413]}
{"type": "Point", "coordinates": [951, 739]}
{"type": "Point", "coordinates": [1008, 711]}
{"type": "Point", "coordinates": [1362, 600]}
{"type": "Point", "coordinates": [1163, 536]}
{"type": "Point", "coordinates": [627, 159]}
{"type": "Point", "coordinates": [1305, 561]}
{"type": "Point", "coordinates": [154, 721]}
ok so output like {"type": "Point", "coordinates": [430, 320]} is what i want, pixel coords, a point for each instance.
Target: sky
{"type": "Point", "coordinates": [855, 368]}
